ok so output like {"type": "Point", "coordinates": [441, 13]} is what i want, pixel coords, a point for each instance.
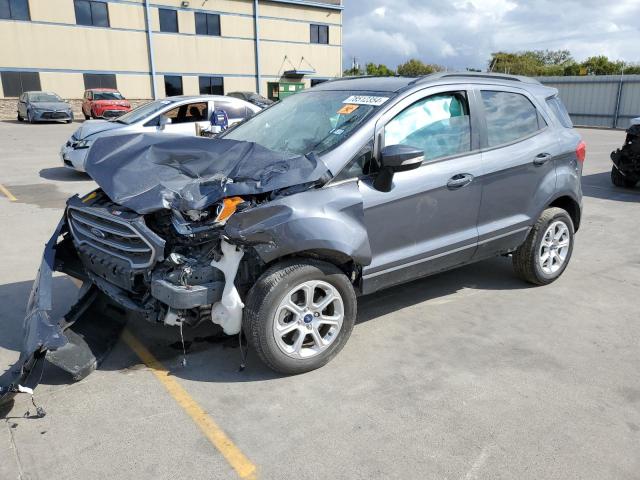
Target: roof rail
{"type": "Point", "coordinates": [488, 75]}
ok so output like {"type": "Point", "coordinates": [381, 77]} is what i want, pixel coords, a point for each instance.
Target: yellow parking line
{"type": "Point", "coordinates": [240, 463]}
{"type": "Point", "coordinates": [7, 193]}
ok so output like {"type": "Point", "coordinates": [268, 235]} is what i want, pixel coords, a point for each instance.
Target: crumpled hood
{"type": "Point", "coordinates": [91, 127]}
{"type": "Point", "coordinates": [149, 172]}
{"type": "Point", "coordinates": [51, 105]}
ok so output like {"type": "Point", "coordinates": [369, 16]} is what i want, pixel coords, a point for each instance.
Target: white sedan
{"type": "Point", "coordinates": [178, 115]}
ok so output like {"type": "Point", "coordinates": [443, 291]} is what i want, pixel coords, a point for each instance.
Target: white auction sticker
{"type": "Point", "coordinates": [366, 100]}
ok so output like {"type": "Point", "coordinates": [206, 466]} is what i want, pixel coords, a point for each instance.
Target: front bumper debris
{"type": "Point", "coordinates": [76, 342]}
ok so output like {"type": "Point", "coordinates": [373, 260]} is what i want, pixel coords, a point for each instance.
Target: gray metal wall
{"type": "Point", "coordinates": [609, 101]}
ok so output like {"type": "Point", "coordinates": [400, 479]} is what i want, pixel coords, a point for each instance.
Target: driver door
{"type": "Point", "coordinates": [428, 221]}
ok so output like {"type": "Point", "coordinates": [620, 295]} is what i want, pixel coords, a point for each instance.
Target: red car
{"type": "Point", "coordinates": [104, 103]}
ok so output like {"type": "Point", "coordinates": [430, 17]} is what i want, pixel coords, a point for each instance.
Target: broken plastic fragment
{"type": "Point", "coordinates": [228, 311]}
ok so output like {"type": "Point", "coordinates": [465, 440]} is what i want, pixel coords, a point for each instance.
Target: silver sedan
{"type": "Point", "coordinates": [177, 115]}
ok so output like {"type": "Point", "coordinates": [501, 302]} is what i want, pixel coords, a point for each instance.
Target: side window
{"type": "Point", "coordinates": [440, 125]}
{"type": "Point", "coordinates": [560, 111]}
{"type": "Point", "coordinates": [510, 117]}
{"type": "Point", "coordinates": [192, 112]}
{"type": "Point", "coordinates": [361, 164]}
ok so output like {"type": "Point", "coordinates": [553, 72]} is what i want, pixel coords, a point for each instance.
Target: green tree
{"type": "Point", "coordinates": [379, 70]}
{"type": "Point", "coordinates": [601, 65]}
{"type": "Point", "coordinates": [352, 72]}
{"type": "Point", "coordinates": [415, 68]}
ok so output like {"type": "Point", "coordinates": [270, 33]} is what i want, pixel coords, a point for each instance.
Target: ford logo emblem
{"type": "Point", "coordinates": [98, 233]}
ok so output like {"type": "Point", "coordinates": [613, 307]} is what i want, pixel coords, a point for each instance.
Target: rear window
{"type": "Point", "coordinates": [559, 111]}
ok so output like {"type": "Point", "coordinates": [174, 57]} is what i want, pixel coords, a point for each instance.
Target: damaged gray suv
{"type": "Point", "coordinates": [276, 227]}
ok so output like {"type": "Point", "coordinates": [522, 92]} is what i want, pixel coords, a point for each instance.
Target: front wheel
{"type": "Point", "coordinates": [546, 252]}
{"type": "Point", "coordinates": [299, 315]}
{"type": "Point", "coordinates": [620, 180]}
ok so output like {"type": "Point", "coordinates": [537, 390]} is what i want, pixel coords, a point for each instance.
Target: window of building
{"type": "Point", "coordinates": [15, 84]}
{"type": "Point", "coordinates": [14, 10]}
{"type": "Point", "coordinates": [172, 85]}
{"type": "Point", "coordinates": [99, 80]}
{"type": "Point", "coordinates": [510, 117]}
{"type": "Point", "coordinates": [207, 24]}
{"type": "Point", "coordinates": [319, 33]}
{"type": "Point", "coordinates": [440, 125]}
{"type": "Point", "coordinates": [91, 12]}
{"type": "Point", "coordinates": [211, 85]}
{"type": "Point", "coordinates": [168, 20]}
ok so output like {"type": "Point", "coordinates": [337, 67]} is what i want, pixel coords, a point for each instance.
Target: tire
{"type": "Point", "coordinates": [86, 117]}
{"type": "Point", "coordinates": [20, 119]}
{"type": "Point", "coordinates": [528, 259]}
{"type": "Point", "coordinates": [30, 117]}
{"type": "Point", "coordinates": [620, 180]}
{"type": "Point", "coordinates": [264, 313]}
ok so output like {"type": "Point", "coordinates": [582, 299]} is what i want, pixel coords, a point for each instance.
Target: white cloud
{"type": "Point", "coordinates": [464, 33]}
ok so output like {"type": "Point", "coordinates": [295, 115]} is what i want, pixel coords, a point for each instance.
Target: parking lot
{"type": "Point", "coordinates": [470, 374]}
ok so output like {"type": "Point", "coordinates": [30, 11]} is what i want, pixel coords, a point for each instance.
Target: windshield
{"type": "Point", "coordinates": [44, 97]}
{"type": "Point", "coordinates": [313, 121]}
{"type": "Point", "coordinates": [143, 111]}
{"type": "Point", "coordinates": [107, 96]}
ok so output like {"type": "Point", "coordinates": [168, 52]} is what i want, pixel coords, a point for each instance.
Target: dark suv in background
{"type": "Point", "coordinates": [342, 190]}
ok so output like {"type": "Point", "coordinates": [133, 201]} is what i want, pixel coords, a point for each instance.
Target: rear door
{"type": "Point", "coordinates": [427, 222]}
{"type": "Point", "coordinates": [519, 175]}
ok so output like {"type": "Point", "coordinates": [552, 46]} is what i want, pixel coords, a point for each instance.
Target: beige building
{"type": "Point", "coordinates": [155, 48]}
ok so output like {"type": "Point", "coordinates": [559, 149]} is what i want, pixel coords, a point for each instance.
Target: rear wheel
{"type": "Point", "coordinates": [20, 119]}
{"type": "Point", "coordinates": [299, 315]}
{"type": "Point", "coordinates": [546, 252]}
{"type": "Point", "coordinates": [620, 180]}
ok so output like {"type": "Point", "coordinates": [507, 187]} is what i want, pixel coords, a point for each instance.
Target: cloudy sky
{"type": "Point", "coordinates": [463, 33]}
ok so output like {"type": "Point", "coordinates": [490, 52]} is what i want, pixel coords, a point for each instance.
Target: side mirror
{"type": "Point", "coordinates": [396, 158]}
{"type": "Point", "coordinates": [164, 121]}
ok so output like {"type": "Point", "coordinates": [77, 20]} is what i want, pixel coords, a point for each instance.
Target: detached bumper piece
{"type": "Point", "coordinates": [76, 342]}
{"type": "Point", "coordinates": [627, 158]}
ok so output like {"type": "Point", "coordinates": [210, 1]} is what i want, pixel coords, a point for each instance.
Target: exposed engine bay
{"type": "Point", "coordinates": [178, 232]}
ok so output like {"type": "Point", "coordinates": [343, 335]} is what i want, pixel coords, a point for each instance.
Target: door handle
{"type": "Point", "coordinates": [459, 181]}
{"type": "Point", "coordinates": [542, 158]}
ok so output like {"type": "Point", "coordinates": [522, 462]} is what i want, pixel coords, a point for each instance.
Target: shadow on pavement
{"type": "Point", "coordinates": [598, 185]}
{"type": "Point", "coordinates": [63, 174]}
{"type": "Point", "coordinates": [214, 358]}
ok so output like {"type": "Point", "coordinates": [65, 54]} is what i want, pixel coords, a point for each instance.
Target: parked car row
{"type": "Point", "coordinates": [178, 115]}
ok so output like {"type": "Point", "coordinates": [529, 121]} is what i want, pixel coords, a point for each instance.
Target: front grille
{"type": "Point", "coordinates": [112, 113]}
{"type": "Point", "coordinates": [112, 235]}
{"type": "Point", "coordinates": [54, 115]}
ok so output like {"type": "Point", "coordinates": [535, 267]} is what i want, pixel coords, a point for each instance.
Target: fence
{"type": "Point", "coordinates": [609, 101]}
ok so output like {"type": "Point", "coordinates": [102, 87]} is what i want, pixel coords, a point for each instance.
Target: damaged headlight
{"type": "Point", "coordinates": [83, 143]}
{"type": "Point", "coordinates": [226, 208]}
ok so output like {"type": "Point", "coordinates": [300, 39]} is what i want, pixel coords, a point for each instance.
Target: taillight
{"type": "Point", "coordinates": [581, 151]}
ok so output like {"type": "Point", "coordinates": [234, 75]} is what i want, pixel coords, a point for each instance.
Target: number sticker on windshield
{"type": "Point", "coordinates": [347, 109]}
{"type": "Point", "coordinates": [366, 100]}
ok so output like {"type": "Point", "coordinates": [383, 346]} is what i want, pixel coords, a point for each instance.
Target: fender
{"type": "Point", "coordinates": [329, 218]}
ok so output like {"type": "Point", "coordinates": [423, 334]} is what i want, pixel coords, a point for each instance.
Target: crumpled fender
{"type": "Point", "coordinates": [329, 218]}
